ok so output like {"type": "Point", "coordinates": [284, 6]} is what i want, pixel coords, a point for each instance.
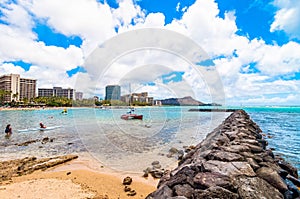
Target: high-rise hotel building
{"type": "Point", "coordinates": [112, 92]}
{"type": "Point", "coordinates": [57, 92]}
{"type": "Point", "coordinates": [20, 88]}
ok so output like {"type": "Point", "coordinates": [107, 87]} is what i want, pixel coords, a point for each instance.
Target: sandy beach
{"type": "Point", "coordinates": [80, 178]}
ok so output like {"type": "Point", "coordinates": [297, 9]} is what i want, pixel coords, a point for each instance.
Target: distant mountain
{"type": "Point", "coordinates": [185, 101]}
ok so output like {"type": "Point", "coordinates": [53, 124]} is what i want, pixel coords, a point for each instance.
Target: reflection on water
{"type": "Point", "coordinates": [123, 145]}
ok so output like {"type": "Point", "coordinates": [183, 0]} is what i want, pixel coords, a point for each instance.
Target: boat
{"type": "Point", "coordinates": [130, 116]}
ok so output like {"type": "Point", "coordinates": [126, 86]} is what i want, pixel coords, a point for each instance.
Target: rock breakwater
{"type": "Point", "coordinates": [232, 162]}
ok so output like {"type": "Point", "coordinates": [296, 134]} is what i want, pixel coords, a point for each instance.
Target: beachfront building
{"type": "Point", "coordinates": [56, 92]}
{"type": "Point", "coordinates": [113, 92]}
{"type": "Point", "coordinates": [78, 95]}
{"type": "Point", "coordinates": [18, 88]}
{"type": "Point", "coordinates": [137, 97]}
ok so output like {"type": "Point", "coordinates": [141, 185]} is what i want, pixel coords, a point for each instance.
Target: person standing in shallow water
{"type": "Point", "coordinates": [8, 130]}
{"type": "Point", "coordinates": [42, 125]}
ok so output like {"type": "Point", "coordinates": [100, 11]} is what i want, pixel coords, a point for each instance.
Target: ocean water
{"type": "Point", "coordinates": [281, 125]}
{"type": "Point", "coordinates": [133, 145]}
{"type": "Point", "coordinates": [119, 144]}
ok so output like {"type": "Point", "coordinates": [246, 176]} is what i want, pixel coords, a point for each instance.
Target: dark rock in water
{"type": "Point", "coordinates": [157, 174]}
{"type": "Point", "coordinates": [294, 180]}
{"type": "Point", "coordinates": [156, 166]}
{"type": "Point", "coordinates": [173, 150]}
{"type": "Point", "coordinates": [155, 163]}
{"type": "Point", "coordinates": [263, 143]}
{"type": "Point", "coordinates": [288, 167]}
{"type": "Point", "coordinates": [283, 173]}
{"type": "Point", "coordinates": [127, 181]}
{"type": "Point", "coordinates": [272, 177]}
{"type": "Point", "coordinates": [256, 188]}
{"type": "Point", "coordinates": [288, 195]}
{"type": "Point", "coordinates": [27, 142]}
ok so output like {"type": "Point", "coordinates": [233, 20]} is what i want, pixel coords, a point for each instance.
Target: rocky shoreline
{"type": "Point", "coordinates": [232, 162]}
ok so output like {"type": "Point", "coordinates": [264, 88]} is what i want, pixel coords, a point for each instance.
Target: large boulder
{"type": "Point", "coordinates": [272, 177]}
{"type": "Point", "coordinates": [256, 188]}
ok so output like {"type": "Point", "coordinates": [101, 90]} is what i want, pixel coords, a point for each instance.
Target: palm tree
{"type": "Point", "coordinates": [3, 93]}
{"type": "Point", "coordinates": [15, 95]}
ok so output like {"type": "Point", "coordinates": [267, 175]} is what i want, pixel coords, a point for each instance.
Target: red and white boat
{"type": "Point", "coordinates": [130, 116]}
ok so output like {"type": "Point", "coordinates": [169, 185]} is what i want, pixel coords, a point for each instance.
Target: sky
{"type": "Point", "coordinates": [253, 46]}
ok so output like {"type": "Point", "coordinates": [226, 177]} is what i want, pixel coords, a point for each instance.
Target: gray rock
{"type": "Point", "coordinates": [155, 163]}
{"type": "Point", "coordinates": [254, 148]}
{"type": "Point", "coordinates": [224, 156]}
{"type": "Point", "coordinates": [236, 148]}
{"type": "Point", "coordinates": [272, 177]}
{"type": "Point", "coordinates": [229, 168]}
{"type": "Point", "coordinates": [173, 150]}
{"type": "Point", "coordinates": [215, 192]}
{"type": "Point", "coordinates": [250, 141]}
{"type": "Point", "coordinates": [253, 164]}
{"type": "Point", "coordinates": [162, 193]}
{"type": "Point", "coordinates": [184, 190]}
{"type": "Point", "coordinates": [256, 188]}
{"type": "Point", "coordinates": [157, 174]}
{"type": "Point", "coordinates": [208, 179]}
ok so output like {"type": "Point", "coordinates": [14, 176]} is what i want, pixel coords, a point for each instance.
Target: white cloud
{"type": "Point", "coordinates": [178, 6]}
{"type": "Point", "coordinates": [7, 68]}
{"type": "Point", "coordinates": [287, 17]}
{"type": "Point", "coordinates": [95, 23]}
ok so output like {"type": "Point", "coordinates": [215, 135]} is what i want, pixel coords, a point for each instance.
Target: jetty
{"type": "Point", "coordinates": [212, 110]}
{"type": "Point", "coordinates": [233, 161]}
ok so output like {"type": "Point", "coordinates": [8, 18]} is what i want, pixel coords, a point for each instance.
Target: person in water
{"type": "Point", "coordinates": [42, 125]}
{"type": "Point", "coordinates": [8, 130]}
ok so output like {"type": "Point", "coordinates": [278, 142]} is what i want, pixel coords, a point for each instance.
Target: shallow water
{"type": "Point", "coordinates": [116, 143]}
{"type": "Point", "coordinates": [133, 145]}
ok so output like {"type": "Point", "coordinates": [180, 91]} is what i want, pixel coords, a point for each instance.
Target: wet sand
{"type": "Point", "coordinates": [80, 178]}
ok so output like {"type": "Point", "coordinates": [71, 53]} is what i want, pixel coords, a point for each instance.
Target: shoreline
{"type": "Point", "coordinates": [82, 171]}
{"type": "Point", "coordinates": [83, 177]}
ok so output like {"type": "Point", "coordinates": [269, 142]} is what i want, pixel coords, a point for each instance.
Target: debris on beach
{"type": "Point", "coordinates": [19, 167]}
{"type": "Point", "coordinates": [127, 181]}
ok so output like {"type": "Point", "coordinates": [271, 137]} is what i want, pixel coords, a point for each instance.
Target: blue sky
{"type": "Point", "coordinates": [254, 45]}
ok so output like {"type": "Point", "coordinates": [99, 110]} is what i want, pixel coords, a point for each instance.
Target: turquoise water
{"type": "Point", "coordinates": [133, 145]}
{"type": "Point", "coordinates": [119, 144]}
{"type": "Point", "coordinates": [282, 127]}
